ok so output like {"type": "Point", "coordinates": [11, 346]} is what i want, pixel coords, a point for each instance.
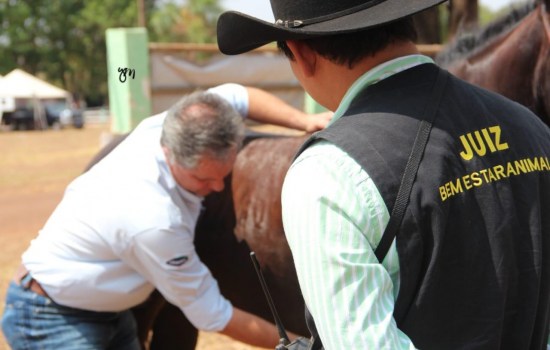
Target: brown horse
{"type": "Point", "coordinates": [244, 217]}
{"type": "Point", "coordinates": [510, 56]}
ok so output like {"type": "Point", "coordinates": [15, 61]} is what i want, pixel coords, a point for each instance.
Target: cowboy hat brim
{"type": "Point", "coordinates": [238, 32]}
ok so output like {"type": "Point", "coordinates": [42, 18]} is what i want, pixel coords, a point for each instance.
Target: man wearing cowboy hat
{"type": "Point", "coordinates": [419, 217]}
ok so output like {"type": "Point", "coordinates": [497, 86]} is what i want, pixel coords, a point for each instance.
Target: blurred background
{"type": "Point", "coordinates": [64, 44]}
{"type": "Point", "coordinates": [73, 73]}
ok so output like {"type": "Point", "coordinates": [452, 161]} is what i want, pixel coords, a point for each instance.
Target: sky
{"type": "Point", "coordinates": [262, 9]}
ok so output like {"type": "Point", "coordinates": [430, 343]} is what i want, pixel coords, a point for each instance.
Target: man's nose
{"type": "Point", "coordinates": [218, 185]}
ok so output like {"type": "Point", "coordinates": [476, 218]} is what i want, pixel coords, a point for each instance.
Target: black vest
{"type": "Point", "coordinates": [474, 243]}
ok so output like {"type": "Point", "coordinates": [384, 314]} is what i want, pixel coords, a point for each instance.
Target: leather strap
{"type": "Point", "coordinates": [413, 163]}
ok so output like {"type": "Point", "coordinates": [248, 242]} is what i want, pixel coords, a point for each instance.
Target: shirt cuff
{"type": "Point", "coordinates": [210, 313]}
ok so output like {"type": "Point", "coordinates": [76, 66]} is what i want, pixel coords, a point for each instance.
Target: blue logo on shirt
{"type": "Point", "coordinates": [180, 260]}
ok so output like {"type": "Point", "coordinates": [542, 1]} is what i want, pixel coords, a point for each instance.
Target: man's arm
{"type": "Point", "coordinates": [250, 329]}
{"type": "Point", "coordinates": [333, 215]}
{"type": "Point", "coordinates": [267, 108]}
{"type": "Point", "coordinates": [191, 287]}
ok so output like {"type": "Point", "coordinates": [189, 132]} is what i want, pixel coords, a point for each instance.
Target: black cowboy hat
{"type": "Point", "coordinates": [302, 19]}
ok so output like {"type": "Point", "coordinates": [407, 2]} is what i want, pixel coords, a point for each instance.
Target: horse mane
{"type": "Point", "coordinates": [468, 43]}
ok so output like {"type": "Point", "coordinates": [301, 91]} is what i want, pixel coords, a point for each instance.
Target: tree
{"type": "Point", "coordinates": [86, 68]}
{"type": "Point", "coordinates": [464, 15]}
{"type": "Point", "coordinates": [62, 41]}
{"type": "Point", "coordinates": [194, 22]}
{"type": "Point", "coordinates": [437, 23]}
{"type": "Point", "coordinates": [440, 24]}
{"type": "Point", "coordinates": [427, 26]}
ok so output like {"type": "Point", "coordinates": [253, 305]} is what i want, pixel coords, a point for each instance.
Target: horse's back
{"type": "Point", "coordinates": [245, 217]}
{"type": "Point", "coordinates": [259, 171]}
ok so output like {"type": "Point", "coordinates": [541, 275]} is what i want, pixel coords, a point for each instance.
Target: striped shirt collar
{"type": "Point", "coordinates": [376, 74]}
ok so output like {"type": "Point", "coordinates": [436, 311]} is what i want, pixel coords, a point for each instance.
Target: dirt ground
{"type": "Point", "coordinates": [35, 167]}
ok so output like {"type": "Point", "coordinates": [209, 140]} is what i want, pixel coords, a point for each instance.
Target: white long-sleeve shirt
{"type": "Point", "coordinates": [125, 228]}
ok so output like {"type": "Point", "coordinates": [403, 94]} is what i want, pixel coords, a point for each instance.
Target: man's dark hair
{"type": "Point", "coordinates": [349, 48]}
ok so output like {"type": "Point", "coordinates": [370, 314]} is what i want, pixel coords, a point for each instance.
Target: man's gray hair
{"type": "Point", "coordinates": [201, 124]}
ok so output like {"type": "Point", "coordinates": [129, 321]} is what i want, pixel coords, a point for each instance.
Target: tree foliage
{"type": "Point", "coordinates": [63, 41]}
{"type": "Point", "coordinates": [193, 23]}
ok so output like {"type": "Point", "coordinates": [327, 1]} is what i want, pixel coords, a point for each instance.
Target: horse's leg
{"type": "Point", "coordinates": [172, 330]}
{"type": "Point", "coordinates": [145, 315]}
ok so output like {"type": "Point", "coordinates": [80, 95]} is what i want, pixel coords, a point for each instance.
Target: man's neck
{"type": "Point", "coordinates": [340, 77]}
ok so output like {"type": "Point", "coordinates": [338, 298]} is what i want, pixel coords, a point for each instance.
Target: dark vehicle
{"type": "Point", "coordinates": [59, 114]}
{"type": "Point", "coordinates": [20, 119]}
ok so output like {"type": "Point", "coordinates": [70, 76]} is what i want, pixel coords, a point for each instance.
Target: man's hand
{"type": "Point", "coordinates": [267, 108]}
{"type": "Point", "coordinates": [318, 121]}
{"type": "Point", "coordinates": [251, 329]}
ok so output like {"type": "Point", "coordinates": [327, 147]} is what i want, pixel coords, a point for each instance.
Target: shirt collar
{"type": "Point", "coordinates": [380, 72]}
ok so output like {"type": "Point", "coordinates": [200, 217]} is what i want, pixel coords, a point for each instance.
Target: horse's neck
{"type": "Point", "coordinates": [541, 83]}
{"type": "Point", "coordinates": [544, 11]}
{"type": "Point", "coordinates": [520, 40]}
{"type": "Point", "coordinates": [506, 64]}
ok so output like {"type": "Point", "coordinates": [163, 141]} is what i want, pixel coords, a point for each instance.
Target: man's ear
{"type": "Point", "coordinates": [167, 153]}
{"type": "Point", "coordinates": [304, 56]}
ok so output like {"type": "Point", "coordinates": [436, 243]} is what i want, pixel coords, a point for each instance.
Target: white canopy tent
{"type": "Point", "coordinates": [20, 84]}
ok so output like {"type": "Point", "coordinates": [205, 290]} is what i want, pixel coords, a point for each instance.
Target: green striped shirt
{"type": "Point", "coordinates": [334, 218]}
